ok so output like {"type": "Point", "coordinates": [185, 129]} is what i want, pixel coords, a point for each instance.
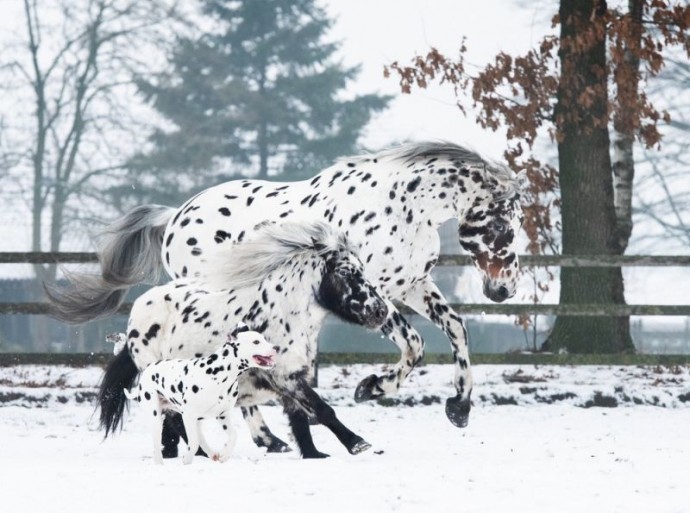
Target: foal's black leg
{"type": "Point", "coordinates": [299, 423]}
{"type": "Point", "coordinates": [355, 444]}
{"type": "Point", "coordinates": [173, 430]}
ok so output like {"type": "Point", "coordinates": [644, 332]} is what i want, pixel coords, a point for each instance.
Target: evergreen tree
{"type": "Point", "coordinates": [261, 91]}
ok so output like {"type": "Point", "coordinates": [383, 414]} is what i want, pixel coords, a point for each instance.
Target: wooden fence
{"type": "Point", "coordinates": [622, 310]}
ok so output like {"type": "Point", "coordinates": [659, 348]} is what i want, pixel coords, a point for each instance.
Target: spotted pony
{"type": "Point", "coordinates": [281, 283]}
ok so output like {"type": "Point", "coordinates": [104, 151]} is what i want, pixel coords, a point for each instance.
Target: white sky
{"type": "Point", "coordinates": [379, 32]}
{"type": "Point", "coordinates": [374, 34]}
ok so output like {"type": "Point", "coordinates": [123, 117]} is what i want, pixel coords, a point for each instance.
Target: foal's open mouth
{"type": "Point", "coordinates": [264, 361]}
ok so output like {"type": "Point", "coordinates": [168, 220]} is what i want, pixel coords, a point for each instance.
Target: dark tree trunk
{"type": "Point", "coordinates": [588, 216]}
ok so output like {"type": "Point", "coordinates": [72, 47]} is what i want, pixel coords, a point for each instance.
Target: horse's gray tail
{"type": "Point", "coordinates": [129, 253]}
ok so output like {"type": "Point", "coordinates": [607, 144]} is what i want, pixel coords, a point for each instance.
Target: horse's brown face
{"type": "Point", "coordinates": [488, 231]}
{"type": "Point", "coordinates": [348, 294]}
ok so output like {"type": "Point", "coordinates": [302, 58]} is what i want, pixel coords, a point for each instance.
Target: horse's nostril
{"type": "Point", "coordinates": [381, 312]}
{"type": "Point", "coordinates": [502, 292]}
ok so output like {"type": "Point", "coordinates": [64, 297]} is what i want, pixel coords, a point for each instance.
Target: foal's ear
{"type": "Point", "coordinates": [317, 245]}
{"type": "Point", "coordinates": [241, 328]}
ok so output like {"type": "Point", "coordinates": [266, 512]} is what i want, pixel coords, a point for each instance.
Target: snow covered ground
{"type": "Point", "coordinates": [533, 445]}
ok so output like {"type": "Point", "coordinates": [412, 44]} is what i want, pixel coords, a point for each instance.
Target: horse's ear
{"type": "Point", "coordinates": [522, 180]}
{"type": "Point", "coordinates": [241, 328]}
{"type": "Point", "coordinates": [506, 188]}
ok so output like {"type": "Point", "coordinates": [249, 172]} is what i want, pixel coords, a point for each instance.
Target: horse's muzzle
{"type": "Point", "coordinates": [497, 293]}
{"type": "Point", "coordinates": [376, 314]}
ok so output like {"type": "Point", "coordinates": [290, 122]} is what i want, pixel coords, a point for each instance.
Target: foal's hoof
{"type": "Point", "coordinates": [359, 447]}
{"type": "Point", "coordinates": [315, 455]}
{"type": "Point", "coordinates": [458, 411]}
{"type": "Point", "coordinates": [169, 452]}
{"type": "Point", "coordinates": [277, 445]}
{"type": "Point", "coordinates": [368, 389]}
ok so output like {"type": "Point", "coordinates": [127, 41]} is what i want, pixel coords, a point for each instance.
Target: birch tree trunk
{"type": "Point", "coordinates": [627, 78]}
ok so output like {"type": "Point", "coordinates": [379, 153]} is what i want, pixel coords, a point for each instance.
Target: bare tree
{"type": "Point", "coordinates": [662, 192]}
{"type": "Point", "coordinates": [69, 91]}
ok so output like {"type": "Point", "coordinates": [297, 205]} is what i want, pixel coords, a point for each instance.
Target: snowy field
{"type": "Point", "coordinates": [545, 439]}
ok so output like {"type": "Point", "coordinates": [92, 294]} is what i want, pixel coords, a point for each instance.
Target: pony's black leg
{"type": "Point", "coordinates": [299, 423]}
{"type": "Point", "coordinates": [173, 430]}
{"type": "Point", "coordinates": [261, 434]}
{"type": "Point", "coordinates": [325, 414]}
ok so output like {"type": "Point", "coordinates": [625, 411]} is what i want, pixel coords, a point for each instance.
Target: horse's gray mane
{"type": "Point", "coordinates": [411, 152]}
{"type": "Point", "coordinates": [271, 247]}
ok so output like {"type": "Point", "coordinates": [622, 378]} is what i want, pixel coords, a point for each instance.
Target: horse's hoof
{"type": "Point", "coordinates": [359, 447]}
{"type": "Point", "coordinates": [315, 455]}
{"type": "Point", "coordinates": [277, 445]}
{"type": "Point", "coordinates": [458, 411]}
{"type": "Point", "coordinates": [368, 389]}
{"type": "Point", "coordinates": [169, 452]}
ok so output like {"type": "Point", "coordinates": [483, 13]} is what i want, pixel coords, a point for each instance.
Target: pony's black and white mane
{"type": "Point", "coordinates": [271, 247]}
{"type": "Point", "coordinates": [510, 183]}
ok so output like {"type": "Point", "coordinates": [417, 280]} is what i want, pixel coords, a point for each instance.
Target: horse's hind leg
{"type": "Point", "coordinates": [261, 434]}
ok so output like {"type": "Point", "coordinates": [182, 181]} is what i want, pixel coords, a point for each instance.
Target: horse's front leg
{"type": "Point", "coordinates": [411, 346]}
{"type": "Point", "coordinates": [426, 299]}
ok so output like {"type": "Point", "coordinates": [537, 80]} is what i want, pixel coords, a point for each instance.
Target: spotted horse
{"type": "Point", "coordinates": [389, 204]}
{"type": "Point", "coordinates": [282, 283]}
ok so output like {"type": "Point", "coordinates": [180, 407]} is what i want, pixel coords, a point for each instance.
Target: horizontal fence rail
{"type": "Point", "coordinates": [33, 257]}
{"type": "Point", "coordinates": [616, 310]}
{"type": "Point", "coordinates": [583, 310]}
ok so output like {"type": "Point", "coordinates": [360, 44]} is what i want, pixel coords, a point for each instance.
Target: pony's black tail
{"type": "Point", "coordinates": [129, 253]}
{"type": "Point", "coordinates": [120, 373]}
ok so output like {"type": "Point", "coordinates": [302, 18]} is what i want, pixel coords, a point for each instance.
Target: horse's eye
{"type": "Point", "coordinates": [499, 227]}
